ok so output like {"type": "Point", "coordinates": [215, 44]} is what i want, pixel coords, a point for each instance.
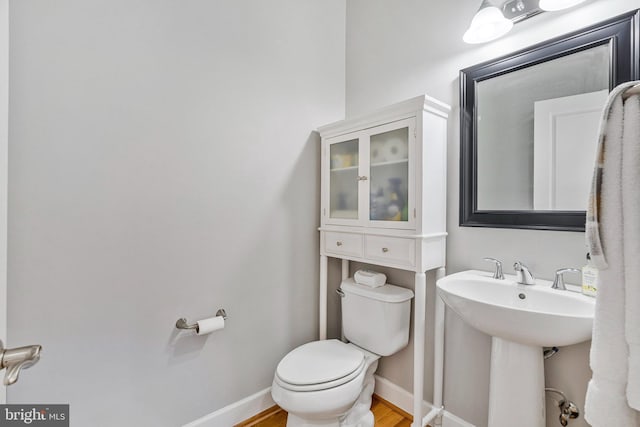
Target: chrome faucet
{"type": "Point", "coordinates": [558, 282]}
{"type": "Point", "coordinates": [497, 274]}
{"type": "Point", "coordinates": [523, 274]}
{"type": "Point", "coordinates": [16, 359]}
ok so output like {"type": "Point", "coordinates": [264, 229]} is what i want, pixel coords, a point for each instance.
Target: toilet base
{"type": "Point", "coordinates": [359, 415]}
{"type": "Point", "coordinates": [295, 421]}
{"type": "Point", "coordinates": [366, 420]}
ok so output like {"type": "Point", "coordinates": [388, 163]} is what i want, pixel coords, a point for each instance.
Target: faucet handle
{"type": "Point", "coordinates": [519, 266]}
{"type": "Point", "coordinates": [16, 359]}
{"type": "Point", "coordinates": [497, 274]}
{"type": "Point", "coordinates": [558, 281]}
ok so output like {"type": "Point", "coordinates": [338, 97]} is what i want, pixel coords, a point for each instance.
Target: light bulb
{"type": "Point", "coordinates": [488, 24]}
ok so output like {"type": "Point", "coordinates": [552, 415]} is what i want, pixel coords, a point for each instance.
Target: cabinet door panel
{"type": "Point", "coordinates": [391, 174]}
{"type": "Point", "coordinates": [343, 179]}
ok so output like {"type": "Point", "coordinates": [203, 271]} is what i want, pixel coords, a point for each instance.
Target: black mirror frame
{"type": "Point", "coordinates": [623, 34]}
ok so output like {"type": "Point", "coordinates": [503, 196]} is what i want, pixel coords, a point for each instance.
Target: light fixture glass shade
{"type": "Point", "coordinates": [552, 5]}
{"type": "Point", "coordinates": [488, 24]}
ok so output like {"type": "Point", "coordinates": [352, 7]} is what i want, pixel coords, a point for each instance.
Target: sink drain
{"type": "Point", "coordinates": [522, 296]}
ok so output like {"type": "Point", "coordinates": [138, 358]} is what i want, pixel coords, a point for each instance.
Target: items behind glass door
{"type": "Point", "coordinates": [387, 178]}
{"type": "Point", "coordinates": [389, 159]}
{"type": "Point", "coordinates": [388, 204]}
{"type": "Point", "coordinates": [344, 160]}
{"type": "Point", "coordinates": [343, 184]}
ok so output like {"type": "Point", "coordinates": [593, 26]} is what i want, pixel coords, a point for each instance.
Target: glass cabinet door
{"type": "Point", "coordinates": [390, 185]}
{"type": "Point", "coordinates": [343, 179]}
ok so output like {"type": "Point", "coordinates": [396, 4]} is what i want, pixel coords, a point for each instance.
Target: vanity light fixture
{"type": "Point", "coordinates": [552, 5]}
{"type": "Point", "coordinates": [495, 18]}
{"type": "Point", "coordinates": [488, 24]}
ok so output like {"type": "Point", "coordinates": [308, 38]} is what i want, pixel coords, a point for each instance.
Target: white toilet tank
{"type": "Point", "coordinates": [376, 319]}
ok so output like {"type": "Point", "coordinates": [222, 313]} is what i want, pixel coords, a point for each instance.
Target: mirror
{"type": "Point", "coordinates": [529, 126]}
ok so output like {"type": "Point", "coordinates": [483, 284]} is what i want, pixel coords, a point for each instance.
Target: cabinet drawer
{"type": "Point", "coordinates": [343, 243]}
{"type": "Point", "coordinates": [397, 250]}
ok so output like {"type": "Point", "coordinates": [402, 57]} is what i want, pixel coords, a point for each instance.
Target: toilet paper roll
{"type": "Point", "coordinates": [206, 326]}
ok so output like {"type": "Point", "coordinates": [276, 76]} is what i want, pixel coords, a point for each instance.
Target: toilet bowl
{"type": "Point", "coordinates": [326, 383]}
{"type": "Point", "coordinates": [330, 383]}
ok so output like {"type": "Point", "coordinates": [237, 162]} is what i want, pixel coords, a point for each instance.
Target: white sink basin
{"type": "Point", "coordinates": [533, 314]}
{"type": "Point", "coordinates": [521, 320]}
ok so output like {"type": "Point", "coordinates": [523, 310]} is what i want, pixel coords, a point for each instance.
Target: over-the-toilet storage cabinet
{"type": "Point", "coordinates": [383, 201]}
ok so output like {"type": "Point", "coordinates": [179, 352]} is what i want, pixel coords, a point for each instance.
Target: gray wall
{"type": "Point", "coordinates": [162, 165]}
{"type": "Point", "coordinates": [397, 50]}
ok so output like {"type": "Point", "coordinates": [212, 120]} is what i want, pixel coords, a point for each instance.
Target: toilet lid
{"type": "Point", "coordinates": [319, 362]}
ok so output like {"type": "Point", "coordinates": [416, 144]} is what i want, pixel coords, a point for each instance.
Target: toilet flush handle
{"type": "Point", "coordinates": [340, 292]}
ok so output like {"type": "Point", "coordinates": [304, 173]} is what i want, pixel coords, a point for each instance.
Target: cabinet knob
{"type": "Point", "coordinates": [362, 178]}
{"type": "Point", "coordinates": [385, 250]}
{"type": "Point", "coordinates": [338, 243]}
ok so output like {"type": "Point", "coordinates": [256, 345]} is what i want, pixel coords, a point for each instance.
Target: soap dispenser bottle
{"type": "Point", "coordinates": [589, 278]}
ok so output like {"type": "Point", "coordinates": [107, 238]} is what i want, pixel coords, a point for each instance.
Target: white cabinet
{"type": "Point", "coordinates": [383, 200]}
{"type": "Point", "coordinates": [384, 177]}
{"type": "Point", "coordinates": [369, 178]}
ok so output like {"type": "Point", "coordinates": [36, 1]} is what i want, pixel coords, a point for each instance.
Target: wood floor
{"type": "Point", "coordinates": [385, 414]}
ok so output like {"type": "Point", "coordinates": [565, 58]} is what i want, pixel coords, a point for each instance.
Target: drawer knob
{"type": "Point", "coordinates": [385, 250]}
{"type": "Point", "coordinates": [338, 243]}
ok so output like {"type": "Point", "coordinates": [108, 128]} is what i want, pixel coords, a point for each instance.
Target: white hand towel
{"type": "Point", "coordinates": [370, 278]}
{"type": "Point", "coordinates": [631, 241]}
{"type": "Point", "coordinates": [606, 403]}
{"type": "Point", "coordinates": [606, 406]}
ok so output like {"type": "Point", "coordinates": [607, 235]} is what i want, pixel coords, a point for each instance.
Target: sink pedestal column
{"type": "Point", "coordinates": [516, 391]}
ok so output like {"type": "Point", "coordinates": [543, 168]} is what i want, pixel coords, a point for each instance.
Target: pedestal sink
{"type": "Point", "coordinates": [521, 320]}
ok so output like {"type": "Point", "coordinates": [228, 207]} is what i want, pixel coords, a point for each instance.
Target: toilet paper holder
{"type": "Point", "coordinates": [182, 322]}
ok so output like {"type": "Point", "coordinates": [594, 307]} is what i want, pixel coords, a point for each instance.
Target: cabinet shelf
{"type": "Point", "coordinates": [344, 214]}
{"type": "Point", "coordinates": [373, 165]}
{"type": "Point", "coordinates": [348, 168]}
{"type": "Point", "coordinates": [390, 162]}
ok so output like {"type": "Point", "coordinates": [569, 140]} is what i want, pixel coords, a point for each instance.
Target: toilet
{"type": "Point", "coordinates": [330, 383]}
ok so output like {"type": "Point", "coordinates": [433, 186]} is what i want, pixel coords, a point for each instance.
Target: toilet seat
{"type": "Point", "coordinates": [320, 365]}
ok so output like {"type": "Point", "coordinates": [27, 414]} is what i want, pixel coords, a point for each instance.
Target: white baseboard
{"type": "Point", "coordinates": [397, 395]}
{"type": "Point", "coordinates": [450, 420]}
{"type": "Point", "coordinates": [236, 412]}
{"type": "Point", "coordinates": [248, 407]}
{"type": "Point", "coordinates": [404, 400]}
